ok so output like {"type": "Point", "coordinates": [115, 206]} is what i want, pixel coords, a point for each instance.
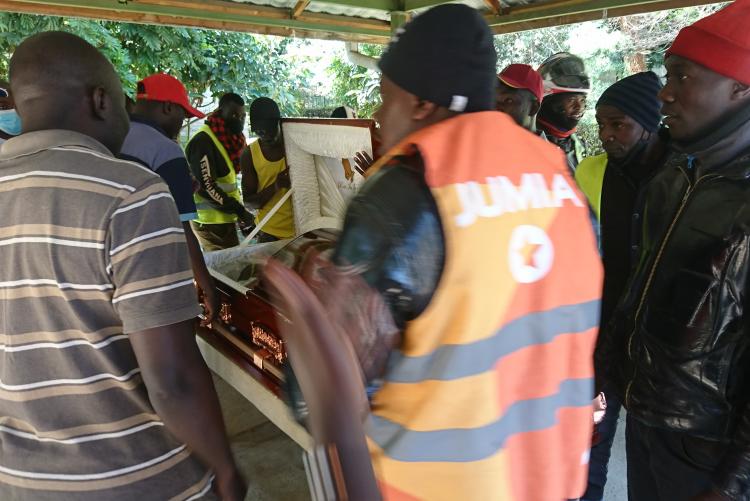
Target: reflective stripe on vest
{"type": "Point", "coordinates": [207, 211]}
{"type": "Point", "coordinates": [489, 396]}
{"type": "Point", "coordinates": [590, 178]}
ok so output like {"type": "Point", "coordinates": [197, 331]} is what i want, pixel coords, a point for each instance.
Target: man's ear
{"type": "Point", "coordinates": [740, 91]}
{"type": "Point", "coordinates": [423, 109]}
{"type": "Point", "coordinates": [166, 107]}
{"type": "Point", "coordinates": [535, 107]}
{"type": "Point", "coordinates": [101, 102]}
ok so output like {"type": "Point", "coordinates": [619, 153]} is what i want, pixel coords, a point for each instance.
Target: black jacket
{"type": "Point", "coordinates": [620, 223]}
{"type": "Point", "coordinates": [677, 348]}
{"type": "Point", "coordinates": [393, 233]}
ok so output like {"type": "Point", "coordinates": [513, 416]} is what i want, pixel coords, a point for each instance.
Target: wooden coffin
{"type": "Point", "coordinates": [320, 157]}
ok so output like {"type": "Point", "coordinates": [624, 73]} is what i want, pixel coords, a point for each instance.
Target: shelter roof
{"type": "Point", "coordinates": [350, 20]}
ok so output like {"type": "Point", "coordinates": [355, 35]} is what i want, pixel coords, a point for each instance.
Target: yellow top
{"type": "Point", "coordinates": [281, 224]}
{"type": "Point", "coordinates": [590, 178]}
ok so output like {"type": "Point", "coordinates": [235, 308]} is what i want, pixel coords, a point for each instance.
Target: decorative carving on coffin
{"type": "Point", "coordinates": [271, 342]}
{"type": "Point", "coordinates": [225, 313]}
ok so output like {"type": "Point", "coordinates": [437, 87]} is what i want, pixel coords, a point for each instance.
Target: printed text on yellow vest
{"type": "Point", "coordinates": [207, 212]}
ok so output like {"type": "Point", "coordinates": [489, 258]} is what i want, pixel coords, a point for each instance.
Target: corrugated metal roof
{"type": "Point", "coordinates": [326, 8]}
{"type": "Point", "coordinates": [354, 20]}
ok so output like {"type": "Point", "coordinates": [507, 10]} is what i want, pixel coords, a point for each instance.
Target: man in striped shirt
{"type": "Point", "coordinates": [103, 392]}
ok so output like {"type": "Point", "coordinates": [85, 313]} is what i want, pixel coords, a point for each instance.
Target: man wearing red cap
{"type": "Point", "coordinates": [519, 94]}
{"type": "Point", "coordinates": [677, 350]}
{"type": "Point", "coordinates": [161, 106]}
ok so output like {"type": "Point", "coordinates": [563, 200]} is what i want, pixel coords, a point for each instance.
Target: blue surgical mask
{"type": "Point", "coordinates": [10, 122]}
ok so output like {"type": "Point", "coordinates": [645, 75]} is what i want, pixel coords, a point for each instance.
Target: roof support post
{"type": "Point", "coordinates": [398, 19]}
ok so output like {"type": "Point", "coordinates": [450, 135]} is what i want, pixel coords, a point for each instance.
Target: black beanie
{"type": "Point", "coordinates": [445, 55]}
{"type": "Point", "coordinates": [638, 97]}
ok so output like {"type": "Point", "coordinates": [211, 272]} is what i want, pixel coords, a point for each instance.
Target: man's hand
{"type": "Point", "coordinates": [210, 305]}
{"type": "Point", "coordinates": [182, 393]}
{"type": "Point", "coordinates": [711, 495]}
{"type": "Point", "coordinates": [362, 162]}
{"type": "Point", "coordinates": [246, 218]}
{"type": "Point", "coordinates": [283, 180]}
{"type": "Point", "coordinates": [230, 486]}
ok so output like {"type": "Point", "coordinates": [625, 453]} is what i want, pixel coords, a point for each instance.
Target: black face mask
{"type": "Point", "coordinates": [234, 125]}
{"type": "Point", "coordinates": [555, 114]}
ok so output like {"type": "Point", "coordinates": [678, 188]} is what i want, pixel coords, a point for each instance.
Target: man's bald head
{"type": "Point", "coordinates": [60, 81]}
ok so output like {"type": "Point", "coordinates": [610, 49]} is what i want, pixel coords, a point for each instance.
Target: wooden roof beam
{"type": "Point", "coordinates": [213, 14]}
{"type": "Point", "coordinates": [543, 15]}
{"type": "Point", "coordinates": [494, 6]}
{"type": "Point", "coordinates": [297, 10]}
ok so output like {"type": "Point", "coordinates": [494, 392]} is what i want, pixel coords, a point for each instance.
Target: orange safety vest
{"type": "Point", "coordinates": [489, 396]}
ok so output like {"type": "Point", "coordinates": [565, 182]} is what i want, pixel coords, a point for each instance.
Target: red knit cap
{"type": "Point", "coordinates": [720, 42]}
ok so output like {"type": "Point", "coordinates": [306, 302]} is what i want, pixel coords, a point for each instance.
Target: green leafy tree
{"type": "Point", "coordinates": [621, 46]}
{"type": "Point", "coordinates": [356, 86]}
{"type": "Point", "coordinates": [210, 63]}
{"type": "Point", "coordinates": [611, 49]}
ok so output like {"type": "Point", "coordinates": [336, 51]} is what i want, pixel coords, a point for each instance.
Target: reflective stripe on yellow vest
{"type": "Point", "coordinates": [207, 211]}
{"type": "Point", "coordinates": [489, 396]}
{"type": "Point", "coordinates": [590, 178]}
{"type": "Point", "coordinates": [281, 224]}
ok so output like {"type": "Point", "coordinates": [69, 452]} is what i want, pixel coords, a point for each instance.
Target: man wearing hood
{"type": "Point", "coordinates": [566, 87]}
{"type": "Point", "coordinates": [677, 350]}
{"type": "Point", "coordinates": [214, 156]}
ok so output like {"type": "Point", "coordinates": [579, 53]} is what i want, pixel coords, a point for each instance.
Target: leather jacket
{"type": "Point", "coordinates": [393, 232]}
{"type": "Point", "coordinates": [678, 347]}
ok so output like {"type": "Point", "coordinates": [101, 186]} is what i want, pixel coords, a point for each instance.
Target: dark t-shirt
{"type": "Point", "coordinates": [148, 145]}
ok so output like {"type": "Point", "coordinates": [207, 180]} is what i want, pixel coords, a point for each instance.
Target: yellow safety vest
{"type": "Point", "coordinates": [489, 396]}
{"type": "Point", "coordinates": [590, 178]}
{"type": "Point", "coordinates": [207, 211]}
{"type": "Point", "coordinates": [281, 224]}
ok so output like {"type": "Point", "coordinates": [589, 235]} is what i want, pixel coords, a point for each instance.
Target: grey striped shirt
{"type": "Point", "coordinates": [91, 249]}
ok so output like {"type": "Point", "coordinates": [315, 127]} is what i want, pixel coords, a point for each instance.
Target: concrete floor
{"type": "Point", "coordinates": [272, 463]}
{"type": "Point", "coordinates": [617, 481]}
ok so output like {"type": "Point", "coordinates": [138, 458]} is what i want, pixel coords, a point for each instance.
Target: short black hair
{"type": "Point", "coordinates": [264, 108]}
{"type": "Point", "coordinates": [339, 112]}
{"type": "Point", "coordinates": [231, 97]}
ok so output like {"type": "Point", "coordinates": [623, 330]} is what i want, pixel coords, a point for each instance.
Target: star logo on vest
{"type": "Point", "coordinates": [530, 254]}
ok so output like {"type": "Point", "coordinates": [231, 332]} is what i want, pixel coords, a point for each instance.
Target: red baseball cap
{"type": "Point", "coordinates": [166, 88]}
{"type": "Point", "coordinates": [523, 76]}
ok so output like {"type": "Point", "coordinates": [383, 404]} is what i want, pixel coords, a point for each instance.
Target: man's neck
{"type": "Point", "coordinates": [272, 150]}
{"type": "Point", "coordinates": [145, 119]}
{"type": "Point", "coordinates": [654, 152]}
{"type": "Point", "coordinates": [723, 142]}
